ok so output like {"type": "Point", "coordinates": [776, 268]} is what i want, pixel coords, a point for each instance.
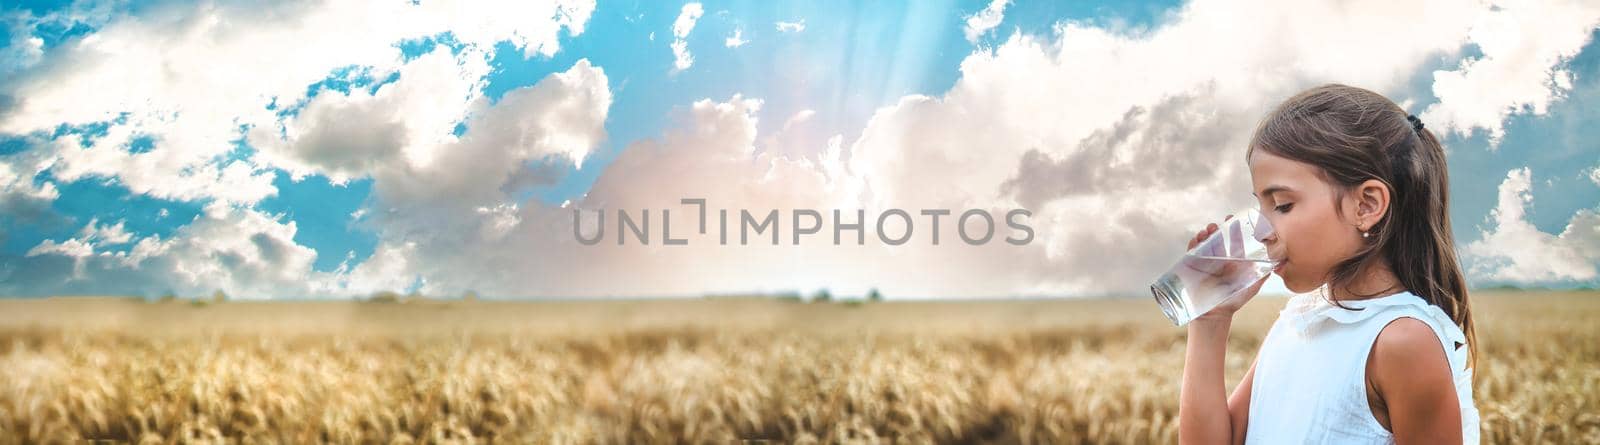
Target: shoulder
{"type": "Point", "coordinates": [1415, 391]}
{"type": "Point", "coordinates": [1409, 341]}
{"type": "Point", "coordinates": [1408, 354]}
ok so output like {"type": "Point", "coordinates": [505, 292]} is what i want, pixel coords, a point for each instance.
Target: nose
{"type": "Point", "coordinates": [1275, 249]}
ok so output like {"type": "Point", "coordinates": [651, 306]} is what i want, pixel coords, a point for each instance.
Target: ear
{"type": "Point", "coordinates": [1372, 203]}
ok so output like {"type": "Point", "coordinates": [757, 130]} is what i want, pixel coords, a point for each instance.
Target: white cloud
{"type": "Point", "coordinates": [990, 17]}
{"type": "Point", "coordinates": [1524, 43]}
{"type": "Point", "coordinates": [21, 198]}
{"type": "Point", "coordinates": [105, 235]}
{"type": "Point", "coordinates": [24, 48]}
{"type": "Point", "coordinates": [453, 220]}
{"type": "Point", "coordinates": [74, 247]}
{"type": "Point", "coordinates": [1513, 250]}
{"type": "Point", "coordinates": [348, 135]}
{"type": "Point", "coordinates": [191, 77]}
{"type": "Point", "coordinates": [736, 40]}
{"type": "Point", "coordinates": [794, 26]}
{"type": "Point", "coordinates": [796, 138]}
{"type": "Point", "coordinates": [445, 222]}
{"type": "Point", "coordinates": [240, 251]}
{"type": "Point", "coordinates": [21, 51]}
{"type": "Point", "coordinates": [681, 27]}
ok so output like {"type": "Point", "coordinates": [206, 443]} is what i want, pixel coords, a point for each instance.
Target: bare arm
{"type": "Point", "coordinates": [1239, 405]}
{"type": "Point", "coordinates": [1410, 372]}
{"type": "Point", "coordinates": [1205, 414]}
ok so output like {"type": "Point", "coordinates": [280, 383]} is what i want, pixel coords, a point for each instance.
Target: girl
{"type": "Point", "coordinates": [1357, 193]}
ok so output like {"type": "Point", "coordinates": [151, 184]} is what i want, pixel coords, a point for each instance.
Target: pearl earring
{"type": "Point", "coordinates": [1364, 234]}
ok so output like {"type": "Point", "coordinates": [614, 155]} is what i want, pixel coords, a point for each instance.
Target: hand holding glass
{"type": "Point", "coordinates": [1229, 261]}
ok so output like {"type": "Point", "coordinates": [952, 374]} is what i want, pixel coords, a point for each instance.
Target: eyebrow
{"type": "Point", "coordinates": [1272, 189]}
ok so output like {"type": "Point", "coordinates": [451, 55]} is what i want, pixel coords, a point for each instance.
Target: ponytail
{"type": "Point", "coordinates": [1422, 250]}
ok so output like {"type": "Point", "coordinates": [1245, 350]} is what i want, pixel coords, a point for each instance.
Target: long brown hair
{"type": "Point", "coordinates": [1353, 135]}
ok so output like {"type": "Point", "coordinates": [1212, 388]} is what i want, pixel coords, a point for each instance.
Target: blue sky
{"type": "Point", "coordinates": [850, 61]}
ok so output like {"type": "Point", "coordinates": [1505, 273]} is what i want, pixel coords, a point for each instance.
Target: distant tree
{"type": "Point", "coordinates": [219, 297]}
{"type": "Point", "coordinates": [384, 297]}
{"type": "Point", "coordinates": [822, 296]}
{"type": "Point", "coordinates": [469, 296]}
{"type": "Point", "coordinates": [167, 298]}
{"type": "Point", "coordinates": [874, 296]}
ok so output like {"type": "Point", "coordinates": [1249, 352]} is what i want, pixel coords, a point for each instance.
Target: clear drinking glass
{"type": "Point", "coordinates": [1214, 271]}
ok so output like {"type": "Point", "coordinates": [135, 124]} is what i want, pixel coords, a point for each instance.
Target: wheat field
{"type": "Point", "coordinates": [726, 370]}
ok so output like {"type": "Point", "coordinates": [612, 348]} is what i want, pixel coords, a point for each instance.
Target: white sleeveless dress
{"type": "Point", "coordinates": [1310, 381]}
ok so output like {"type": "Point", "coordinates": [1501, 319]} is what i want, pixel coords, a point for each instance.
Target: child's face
{"type": "Point", "coordinates": [1309, 235]}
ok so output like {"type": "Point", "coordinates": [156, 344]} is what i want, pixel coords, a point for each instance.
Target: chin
{"type": "Point", "coordinates": [1297, 286]}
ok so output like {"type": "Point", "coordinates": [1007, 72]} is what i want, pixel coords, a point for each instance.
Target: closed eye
{"type": "Point", "coordinates": [1284, 208]}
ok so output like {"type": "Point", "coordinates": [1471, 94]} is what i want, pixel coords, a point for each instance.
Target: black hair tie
{"type": "Point", "coordinates": [1416, 124]}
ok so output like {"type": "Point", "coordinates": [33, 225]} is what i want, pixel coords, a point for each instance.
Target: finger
{"type": "Point", "coordinates": [1250, 292]}
{"type": "Point", "coordinates": [1259, 282]}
